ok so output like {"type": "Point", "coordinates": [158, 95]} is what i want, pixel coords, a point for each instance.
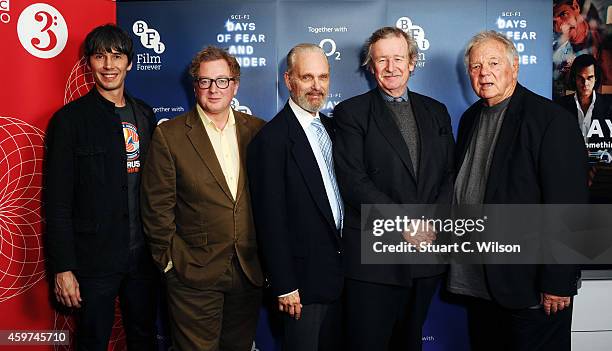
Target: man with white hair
{"type": "Point", "coordinates": [297, 206]}
{"type": "Point", "coordinates": [515, 147]}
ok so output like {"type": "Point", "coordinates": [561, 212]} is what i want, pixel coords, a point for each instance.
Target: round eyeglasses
{"type": "Point", "coordinates": [221, 83]}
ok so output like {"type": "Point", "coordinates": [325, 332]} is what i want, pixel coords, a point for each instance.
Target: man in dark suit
{"type": "Point", "coordinates": [96, 250]}
{"type": "Point", "coordinates": [515, 147]}
{"type": "Point", "coordinates": [592, 110]}
{"type": "Point", "coordinates": [393, 146]}
{"type": "Point", "coordinates": [197, 213]}
{"type": "Point", "coordinates": [297, 206]}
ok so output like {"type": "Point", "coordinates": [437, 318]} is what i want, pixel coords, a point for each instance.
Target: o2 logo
{"type": "Point", "coordinates": [42, 30]}
{"type": "Point", "coordinates": [329, 48]}
{"type": "Point", "coordinates": [149, 37]}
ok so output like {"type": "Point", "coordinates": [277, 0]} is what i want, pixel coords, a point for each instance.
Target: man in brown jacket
{"type": "Point", "coordinates": [196, 211]}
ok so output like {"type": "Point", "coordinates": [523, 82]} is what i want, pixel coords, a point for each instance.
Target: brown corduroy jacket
{"type": "Point", "coordinates": [188, 212]}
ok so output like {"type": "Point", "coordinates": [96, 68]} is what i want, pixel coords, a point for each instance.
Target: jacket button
{"type": "Point", "coordinates": [339, 252]}
{"type": "Point", "coordinates": [124, 187]}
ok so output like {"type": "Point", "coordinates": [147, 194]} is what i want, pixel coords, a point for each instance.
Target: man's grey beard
{"type": "Point", "coordinates": [302, 101]}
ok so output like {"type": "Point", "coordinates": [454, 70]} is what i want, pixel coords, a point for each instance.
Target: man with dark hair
{"type": "Point", "coordinates": [298, 208]}
{"type": "Point", "coordinates": [592, 111]}
{"type": "Point", "coordinates": [515, 147]}
{"type": "Point", "coordinates": [96, 146]}
{"type": "Point", "coordinates": [197, 213]}
{"type": "Point", "coordinates": [393, 146]}
{"type": "Point", "coordinates": [584, 78]}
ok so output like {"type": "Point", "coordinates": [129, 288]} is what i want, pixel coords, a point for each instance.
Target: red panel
{"type": "Point", "coordinates": [33, 88]}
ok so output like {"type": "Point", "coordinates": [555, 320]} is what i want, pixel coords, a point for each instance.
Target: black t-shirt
{"type": "Point", "coordinates": [132, 149]}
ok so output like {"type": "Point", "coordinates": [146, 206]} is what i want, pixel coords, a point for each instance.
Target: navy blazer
{"type": "Point", "coordinates": [295, 226]}
{"type": "Point", "coordinates": [373, 166]}
{"type": "Point", "coordinates": [539, 157]}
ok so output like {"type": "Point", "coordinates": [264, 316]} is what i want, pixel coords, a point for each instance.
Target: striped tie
{"type": "Point", "coordinates": [326, 149]}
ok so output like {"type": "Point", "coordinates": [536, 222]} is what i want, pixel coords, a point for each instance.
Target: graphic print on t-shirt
{"type": "Point", "coordinates": [132, 147]}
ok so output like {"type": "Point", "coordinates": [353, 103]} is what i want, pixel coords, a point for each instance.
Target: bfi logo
{"type": "Point", "coordinates": [5, 8]}
{"type": "Point", "coordinates": [149, 37]}
{"type": "Point", "coordinates": [417, 32]}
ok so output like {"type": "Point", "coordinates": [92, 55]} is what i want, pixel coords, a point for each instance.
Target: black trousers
{"type": "Point", "coordinates": [137, 292]}
{"type": "Point", "coordinates": [387, 317]}
{"type": "Point", "coordinates": [493, 327]}
{"type": "Point", "coordinates": [318, 329]}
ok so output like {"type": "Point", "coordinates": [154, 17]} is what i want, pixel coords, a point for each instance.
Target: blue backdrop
{"type": "Point", "coordinates": [259, 33]}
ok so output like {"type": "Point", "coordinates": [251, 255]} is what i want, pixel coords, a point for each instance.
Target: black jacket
{"type": "Point", "coordinates": [295, 226]}
{"type": "Point", "coordinates": [86, 199]}
{"type": "Point", "coordinates": [601, 188]}
{"type": "Point", "coordinates": [601, 111]}
{"type": "Point", "coordinates": [539, 158]}
{"type": "Point", "coordinates": [373, 167]}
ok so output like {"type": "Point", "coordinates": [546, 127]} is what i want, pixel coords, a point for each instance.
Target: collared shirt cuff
{"type": "Point", "coordinates": [168, 266]}
{"type": "Point", "coordinates": [287, 294]}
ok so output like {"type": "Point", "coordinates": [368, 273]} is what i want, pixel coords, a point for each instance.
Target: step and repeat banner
{"type": "Point", "coordinates": [260, 33]}
{"type": "Point", "coordinates": [43, 69]}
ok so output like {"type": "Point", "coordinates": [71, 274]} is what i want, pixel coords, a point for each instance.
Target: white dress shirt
{"type": "Point", "coordinates": [584, 119]}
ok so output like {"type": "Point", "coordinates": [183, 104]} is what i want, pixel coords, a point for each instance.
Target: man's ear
{"type": "Point", "coordinates": [515, 67]}
{"type": "Point", "coordinates": [236, 86]}
{"type": "Point", "coordinates": [287, 80]}
{"type": "Point", "coordinates": [576, 6]}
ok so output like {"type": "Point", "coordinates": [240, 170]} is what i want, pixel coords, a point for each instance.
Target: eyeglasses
{"type": "Point", "coordinates": [221, 83]}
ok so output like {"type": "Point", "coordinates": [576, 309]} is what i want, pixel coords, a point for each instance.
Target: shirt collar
{"type": "Point", "coordinates": [303, 116]}
{"type": "Point", "coordinates": [390, 98]}
{"type": "Point", "coordinates": [592, 101]}
{"type": "Point", "coordinates": [207, 121]}
{"type": "Point", "coordinates": [107, 103]}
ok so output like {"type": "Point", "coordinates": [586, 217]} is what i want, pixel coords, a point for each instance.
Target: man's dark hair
{"type": "Point", "coordinates": [579, 63]}
{"type": "Point", "coordinates": [107, 38]}
{"type": "Point", "coordinates": [566, 2]}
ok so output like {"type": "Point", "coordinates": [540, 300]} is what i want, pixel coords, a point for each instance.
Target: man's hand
{"type": "Point", "coordinates": [67, 289]}
{"type": "Point", "coordinates": [420, 236]}
{"type": "Point", "coordinates": [291, 304]}
{"type": "Point", "coordinates": [554, 303]}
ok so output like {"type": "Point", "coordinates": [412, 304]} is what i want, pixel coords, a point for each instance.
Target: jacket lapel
{"type": "Point", "coordinates": [424, 124]}
{"type": "Point", "coordinates": [389, 129]}
{"type": "Point", "coordinates": [201, 143]}
{"type": "Point", "coordinates": [505, 142]}
{"type": "Point", "coordinates": [144, 129]}
{"type": "Point", "coordinates": [307, 164]}
{"type": "Point", "coordinates": [602, 110]}
{"type": "Point", "coordinates": [243, 135]}
{"type": "Point", "coordinates": [465, 133]}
